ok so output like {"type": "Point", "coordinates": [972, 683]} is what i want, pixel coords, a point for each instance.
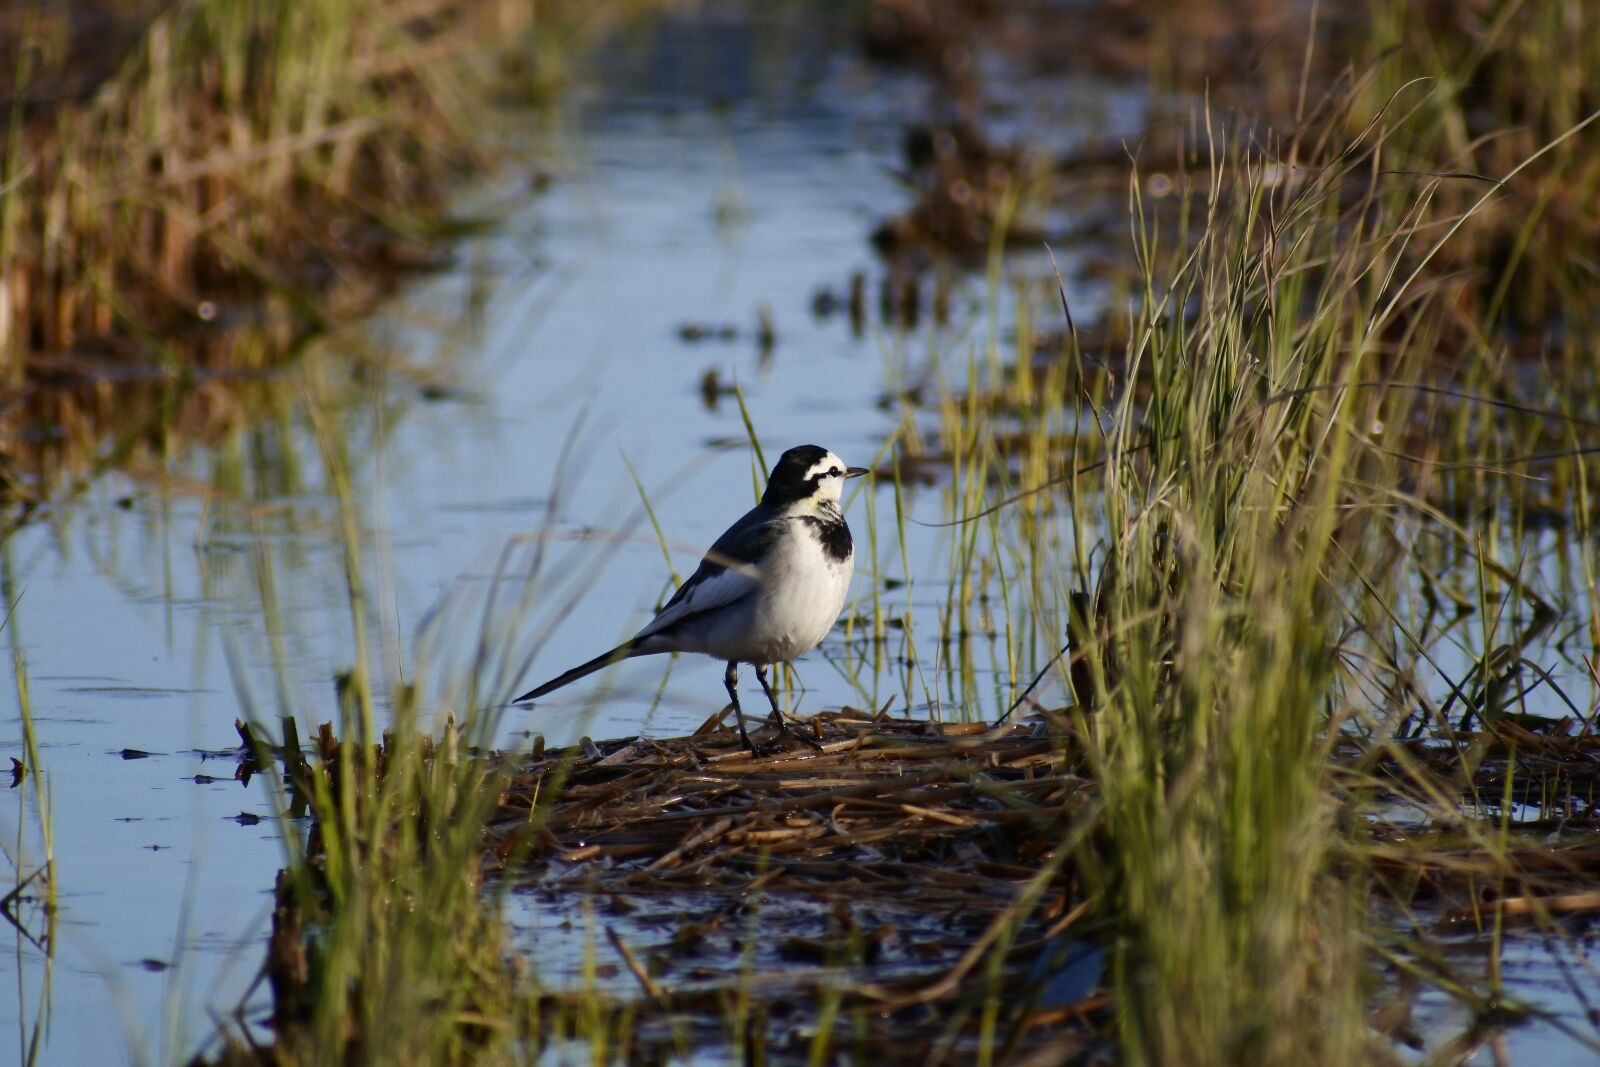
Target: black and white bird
{"type": "Point", "coordinates": [769, 589]}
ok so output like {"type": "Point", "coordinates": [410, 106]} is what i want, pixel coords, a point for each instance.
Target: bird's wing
{"type": "Point", "coordinates": [726, 575]}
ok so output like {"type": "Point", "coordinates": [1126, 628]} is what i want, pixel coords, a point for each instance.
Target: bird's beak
{"type": "Point", "coordinates": [855, 472]}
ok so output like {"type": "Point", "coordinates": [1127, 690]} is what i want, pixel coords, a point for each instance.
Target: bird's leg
{"type": "Point", "coordinates": [772, 698]}
{"type": "Point", "coordinates": [777, 716]}
{"type": "Point", "coordinates": [731, 680]}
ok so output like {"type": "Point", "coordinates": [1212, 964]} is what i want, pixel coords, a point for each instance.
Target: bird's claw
{"type": "Point", "coordinates": [775, 745]}
{"type": "Point", "coordinates": [788, 729]}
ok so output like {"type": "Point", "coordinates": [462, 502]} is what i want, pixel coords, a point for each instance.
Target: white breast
{"type": "Point", "coordinates": [802, 593]}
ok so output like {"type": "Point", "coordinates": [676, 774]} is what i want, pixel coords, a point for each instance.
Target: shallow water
{"type": "Point", "coordinates": [714, 165]}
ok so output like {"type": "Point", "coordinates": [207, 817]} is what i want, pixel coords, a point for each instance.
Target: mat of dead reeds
{"type": "Point", "coordinates": [880, 856]}
{"type": "Point", "coordinates": [878, 804]}
{"type": "Point", "coordinates": [871, 807]}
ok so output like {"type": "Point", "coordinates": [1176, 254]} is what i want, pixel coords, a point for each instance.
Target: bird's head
{"type": "Point", "coordinates": [807, 479]}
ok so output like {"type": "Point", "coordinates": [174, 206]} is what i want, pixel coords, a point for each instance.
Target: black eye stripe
{"type": "Point", "coordinates": [814, 480]}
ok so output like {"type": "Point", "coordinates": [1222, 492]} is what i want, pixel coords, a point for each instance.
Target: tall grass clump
{"type": "Point", "coordinates": [187, 200]}
{"type": "Point", "coordinates": [1233, 506]}
{"type": "Point", "coordinates": [1266, 435]}
{"type": "Point", "coordinates": [385, 947]}
{"type": "Point", "coordinates": [239, 151]}
{"type": "Point", "coordinates": [191, 192]}
{"type": "Point", "coordinates": [1504, 80]}
{"type": "Point", "coordinates": [390, 942]}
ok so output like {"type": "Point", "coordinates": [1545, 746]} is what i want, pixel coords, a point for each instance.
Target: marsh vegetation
{"type": "Point", "coordinates": [1246, 711]}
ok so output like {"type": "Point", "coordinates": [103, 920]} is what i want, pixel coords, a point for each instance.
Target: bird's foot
{"type": "Point", "coordinates": [793, 731]}
{"type": "Point", "coordinates": [779, 740]}
{"type": "Point", "coordinates": [759, 746]}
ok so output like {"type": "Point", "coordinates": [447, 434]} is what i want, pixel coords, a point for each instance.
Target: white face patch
{"type": "Point", "coordinates": [829, 472]}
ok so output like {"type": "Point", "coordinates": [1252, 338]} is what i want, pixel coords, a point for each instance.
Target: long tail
{"type": "Point", "coordinates": [626, 650]}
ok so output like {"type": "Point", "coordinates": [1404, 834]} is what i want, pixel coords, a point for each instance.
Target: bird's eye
{"type": "Point", "coordinates": [833, 472]}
